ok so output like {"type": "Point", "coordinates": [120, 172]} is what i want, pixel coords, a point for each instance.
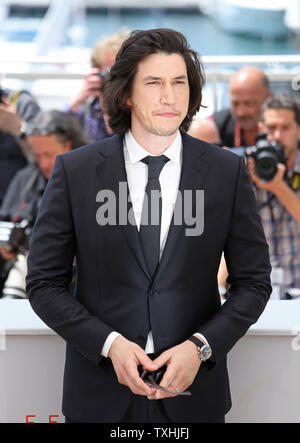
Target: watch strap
{"type": "Point", "coordinates": [197, 341]}
{"type": "Point", "coordinates": [199, 345]}
{"type": "Point", "coordinates": [203, 349]}
{"type": "Point", "coordinates": [207, 364]}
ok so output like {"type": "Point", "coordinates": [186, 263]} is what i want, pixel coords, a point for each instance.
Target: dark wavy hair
{"type": "Point", "coordinates": [139, 45]}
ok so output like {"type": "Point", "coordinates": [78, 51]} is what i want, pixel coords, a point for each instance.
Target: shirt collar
{"type": "Point", "coordinates": [134, 152]}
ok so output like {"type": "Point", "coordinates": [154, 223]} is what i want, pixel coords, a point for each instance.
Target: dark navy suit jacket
{"type": "Point", "coordinates": [115, 292]}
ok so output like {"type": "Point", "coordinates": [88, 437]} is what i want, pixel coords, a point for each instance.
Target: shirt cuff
{"type": "Point", "coordinates": [201, 337]}
{"type": "Point", "coordinates": [108, 342]}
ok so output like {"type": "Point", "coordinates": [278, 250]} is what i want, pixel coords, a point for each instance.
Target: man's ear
{"type": "Point", "coordinates": [128, 103]}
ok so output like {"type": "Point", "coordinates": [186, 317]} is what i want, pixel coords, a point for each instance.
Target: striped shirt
{"type": "Point", "coordinates": [282, 233]}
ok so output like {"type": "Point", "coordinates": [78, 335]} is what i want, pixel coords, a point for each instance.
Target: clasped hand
{"type": "Point", "coordinates": [274, 185]}
{"type": "Point", "coordinates": [182, 366]}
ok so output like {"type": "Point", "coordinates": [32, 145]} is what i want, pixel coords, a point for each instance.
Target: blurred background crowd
{"type": "Point", "coordinates": [51, 84]}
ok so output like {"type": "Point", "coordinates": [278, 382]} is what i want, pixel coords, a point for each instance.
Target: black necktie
{"type": "Point", "coordinates": [151, 213]}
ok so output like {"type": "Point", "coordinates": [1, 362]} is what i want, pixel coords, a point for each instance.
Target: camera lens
{"type": "Point", "coordinates": [266, 165]}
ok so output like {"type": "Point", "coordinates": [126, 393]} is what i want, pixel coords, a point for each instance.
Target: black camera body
{"type": "Point", "coordinates": [104, 74]}
{"type": "Point", "coordinates": [15, 236]}
{"type": "Point", "coordinates": [266, 156]}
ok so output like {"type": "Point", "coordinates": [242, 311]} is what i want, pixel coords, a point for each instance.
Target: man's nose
{"type": "Point", "coordinates": [240, 111]}
{"type": "Point", "coordinates": [274, 136]}
{"type": "Point", "coordinates": [45, 165]}
{"type": "Point", "coordinates": [167, 95]}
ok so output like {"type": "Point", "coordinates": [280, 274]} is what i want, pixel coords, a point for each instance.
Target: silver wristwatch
{"type": "Point", "coordinates": [204, 350]}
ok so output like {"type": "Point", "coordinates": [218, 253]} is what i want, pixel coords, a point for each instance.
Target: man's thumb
{"type": "Point", "coordinates": [161, 360]}
{"type": "Point", "coordinates": [147, 363]}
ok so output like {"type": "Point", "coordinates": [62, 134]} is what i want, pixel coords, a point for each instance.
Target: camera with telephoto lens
{"type": "Point", "coordinates": [15, 236]}
{"type": "Point", "coordinates": [104, 74]}
{"type": "Point", "coordinates": [266, 157]}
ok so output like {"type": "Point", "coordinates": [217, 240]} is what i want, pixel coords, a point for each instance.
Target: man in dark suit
{"type": "Point", "coordinates": [146, 295]}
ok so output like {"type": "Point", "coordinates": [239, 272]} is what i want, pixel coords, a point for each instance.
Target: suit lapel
{"type": "Point", "coordinates": [193, 175]}
{"type": "Point", "coordinates": [111, 172]}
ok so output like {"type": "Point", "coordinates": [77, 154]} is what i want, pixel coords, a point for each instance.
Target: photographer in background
{"type": "Point", "coordinates": [279, 198]}
{"type": "Point", "coordinates": [51, 133]}
{"type": "Point", "coordinates": [87, 104]}
{"type": "Point", "coordinates": [17, 108]}
{"type": "Point", "coordinates": [238, 126]}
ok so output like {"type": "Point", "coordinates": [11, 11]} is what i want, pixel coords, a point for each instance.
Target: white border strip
{"type": "Point", "coordinates": [2, 339]}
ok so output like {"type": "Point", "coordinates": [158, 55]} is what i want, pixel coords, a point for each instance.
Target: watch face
{"type": "Point", "coordinates": [205, 352]}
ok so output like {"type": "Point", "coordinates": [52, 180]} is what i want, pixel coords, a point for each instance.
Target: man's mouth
{"type": "Point", "coordinates": [243, 119]}
{"type": "Point", "coordinates": [167, 114]}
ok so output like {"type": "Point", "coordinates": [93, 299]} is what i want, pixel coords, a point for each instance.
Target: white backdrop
{"type": "Point", "coordinates": [264, 367]}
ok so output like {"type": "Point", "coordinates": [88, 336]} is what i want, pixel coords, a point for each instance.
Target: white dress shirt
{"type": "Point", "coordinates": [137, 177]}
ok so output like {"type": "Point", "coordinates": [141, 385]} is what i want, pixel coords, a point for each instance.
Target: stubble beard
{"type": "Point", "coordinates": [161, 131]}
{"type": "Point", "coordinates": [247, 125]}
